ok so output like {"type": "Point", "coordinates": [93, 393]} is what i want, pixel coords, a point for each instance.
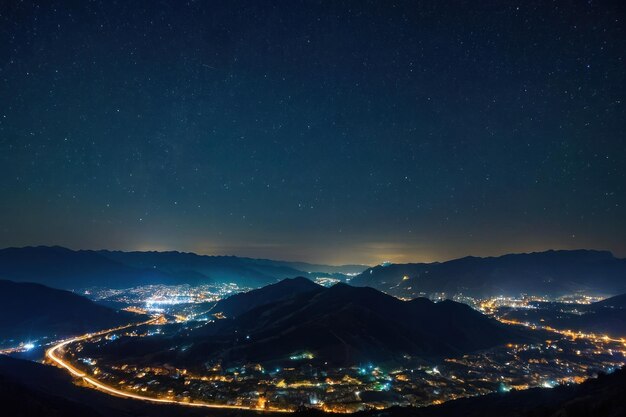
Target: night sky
{"type": "Point", "coordinates": [334, 132]}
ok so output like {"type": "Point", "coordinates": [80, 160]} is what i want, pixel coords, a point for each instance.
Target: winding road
{"type": "Point", "coordinates": [53, 355]}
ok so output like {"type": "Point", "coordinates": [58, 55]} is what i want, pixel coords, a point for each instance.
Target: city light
{"type": "Point", "coordinates": [573, 356]}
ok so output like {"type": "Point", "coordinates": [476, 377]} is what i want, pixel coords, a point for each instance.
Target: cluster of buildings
{"type": "Point", "coordinates": [563, 360]}
{"type": "Point", "coordinates": [567, 357]}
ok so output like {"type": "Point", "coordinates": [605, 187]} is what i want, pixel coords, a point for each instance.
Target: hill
{"type": "Point", "coordinates": [238, 304]}
{"type": "Point", "coordinates": [603, 317]}
{"type": "Point", "coordinates": [31, 311]}
{"type": "Point", "coordinates": [341, 325]}
{"type": "Point", "coordinates": [245, 271]}
{"type": "Point", "coordinates": [542, 273]}
{"type": "Point", "coordinates": [64, 268]}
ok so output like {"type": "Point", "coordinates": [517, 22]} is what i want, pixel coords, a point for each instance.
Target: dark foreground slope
{"type": "Point", "coordinates": [29, 389]}
{"type": "Point", "coordinates": [31, 311]}
{"type": "Point", "coordinates": [542, 273]}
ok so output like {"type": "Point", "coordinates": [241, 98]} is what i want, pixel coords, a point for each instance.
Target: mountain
{"type": "Point", "coordinates": [603, 317]}
{"type": "Point", "coordinates": [349, 325]}
{"type": "Point", "coordinates": [246, 271]}
{"type": "Point", "coordinates": [243, 271]}
{"type": "Point", "coordinates": [341, 325]}
{"type": "Point", "coordinates": [31, 311]}
{"type": "Point", "coordinates": [350, 269]}
{"type": "Point", "coordinates": [30, 389]}
{"type": "Point", "coordinates": [616, 302]}
{"type": "Point", "coordinates": [606, 317]}
{"type": "Point", "coordinates": [541, 273]}
{"type": "Point", "coordinates": [64, 268]}
{"type": "Point", "coordinates": [238, 304]}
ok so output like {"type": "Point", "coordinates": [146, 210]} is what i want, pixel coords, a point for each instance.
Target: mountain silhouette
{"type": "Point", "coordinates": [341, 325]}
{"type": "Point", "coordinates": [238, 304]}
{"type": "Point", "coordinates": [31, 311]}
{"type": "Point", "coordinates": [68, 269]}
{"type": "Point", "coordinates": [64, 268]}
{"type": "Point", "coordinates": [542, 273]}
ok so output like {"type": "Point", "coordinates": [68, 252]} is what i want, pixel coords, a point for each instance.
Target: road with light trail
{"type": "Point", "coordinates": [53, 355]}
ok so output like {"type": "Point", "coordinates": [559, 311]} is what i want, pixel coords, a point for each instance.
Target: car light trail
{"type": "Point", "coordinates": [52, 354]}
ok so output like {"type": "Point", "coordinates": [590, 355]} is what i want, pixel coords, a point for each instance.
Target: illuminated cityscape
{"type": "Point", "coordinates": [566, 356]}
{"type": "Point", "coordinates": [386, 208]}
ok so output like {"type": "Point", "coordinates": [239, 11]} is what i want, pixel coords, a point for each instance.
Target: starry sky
{"type": "Point", "coordinates": [324, 131]}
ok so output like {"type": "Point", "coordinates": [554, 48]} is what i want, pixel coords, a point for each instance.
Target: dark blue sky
{"type": "Point", "coordinates": [323, 131]}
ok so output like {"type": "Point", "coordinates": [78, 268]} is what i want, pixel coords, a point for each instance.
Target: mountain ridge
{"type": "Point", "coordinates": [30, 311]}
{"type": "Point", "coordinates": [71, 269]}
{"type": "Point", "coordinates": [341, 325]}
{"type": "Point", "coordinates": [553, 272]}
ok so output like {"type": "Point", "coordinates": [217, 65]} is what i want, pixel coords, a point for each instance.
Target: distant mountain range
{"type": "Point", "coordinates": [541, 273]}
{"type": "Point", "coordinates": [64, 268]}
{"type": "Point", "coordinates": [341, 325]}
{"type": "Point", "coordinates": [31, 311]}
